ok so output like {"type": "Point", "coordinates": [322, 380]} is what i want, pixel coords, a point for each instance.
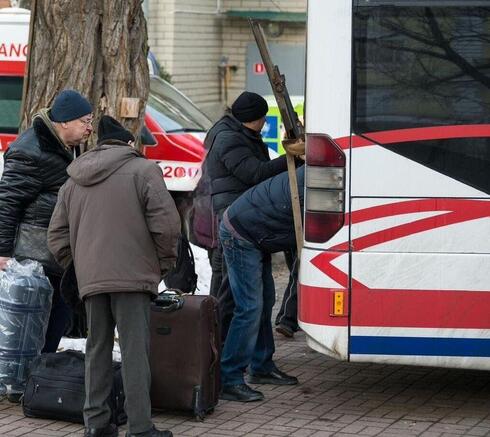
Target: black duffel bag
{"type": "Point", "coordinates": [55, 388]}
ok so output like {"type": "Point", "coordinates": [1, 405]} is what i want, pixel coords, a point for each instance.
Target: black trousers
{"type": "Point", "coordinates": [221, 290]}
{"type": "Point", "coordinates": [288, 313]}
{"type": "Point", "coordinates": [59, 318]}
{"type": "Point", "coordinates": [215, 259]}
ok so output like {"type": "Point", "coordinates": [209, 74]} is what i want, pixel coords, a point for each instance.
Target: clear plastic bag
{"type": "Point", "coordinates": [25, 304]}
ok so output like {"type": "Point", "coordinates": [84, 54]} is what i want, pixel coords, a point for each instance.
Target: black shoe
{"type": "Point", "coordinates": [285, 330]}
{"type": "Point", "coordinates": [151, 433]}
{"type": "Point", "coordinates": [109, 431]}
{"type": "Point", "coordinates": [240, 393]}
{"type": "Point", "coordinates": [275, 377]}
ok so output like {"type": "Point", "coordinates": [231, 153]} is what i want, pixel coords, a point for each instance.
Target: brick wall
{"type": "Point", "coordinates": [189, 40]}
{"type": "Point", "coordinates": [161, 25]}
{"type": "Point", "coordinates": [185, 36]}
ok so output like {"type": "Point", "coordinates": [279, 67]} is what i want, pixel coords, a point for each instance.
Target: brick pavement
{"type": "Point", "coordinates": [333, 399]}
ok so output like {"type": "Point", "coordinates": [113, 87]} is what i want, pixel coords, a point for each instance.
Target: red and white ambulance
{"type": "Point", "coordinates": [176, 123]}
{"type": "Point", "coordinates": [396, 259]}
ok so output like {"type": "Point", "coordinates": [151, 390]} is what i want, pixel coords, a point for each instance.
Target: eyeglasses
{"type": "Point", "coordinates": [87, 121]}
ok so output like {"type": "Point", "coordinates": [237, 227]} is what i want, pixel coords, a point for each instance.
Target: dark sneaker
{"type": "Point", "coordinates": [151, 433]}
{"type": "Point", "coordinates": [276, 377]}
{"type": "Point", "coordinates": [285, 330]}
{"type": "Point", "coordinates": [109, 431]}
{"type": "Point", "coordinates": [240, 393]}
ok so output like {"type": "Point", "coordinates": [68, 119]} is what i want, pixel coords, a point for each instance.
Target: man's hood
{"type": "Point", "coordinates": [98, 164]}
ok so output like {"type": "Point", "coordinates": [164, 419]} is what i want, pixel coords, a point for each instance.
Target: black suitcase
{"type": "Point", "coordinates": [56, 388]}
{"type": "Point", "coordinates": [185, 353]}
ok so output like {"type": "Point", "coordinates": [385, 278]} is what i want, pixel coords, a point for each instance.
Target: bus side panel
{"type": "Point", "coordinates": [380, 172]}
{"type": "Point", "coordinates": [433, 225]}
{"type": "Point", "coordinates": [421, 282]}
{"type": "Point", "coordinates": [324, 281]}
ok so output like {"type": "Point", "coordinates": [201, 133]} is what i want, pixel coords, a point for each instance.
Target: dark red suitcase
{"type": "Point", "coordinates": [185, 353]}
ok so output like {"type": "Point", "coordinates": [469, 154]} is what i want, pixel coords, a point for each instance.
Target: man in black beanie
{"type": "Point", "coordinates": [118, 223]}
{"type": "Point", "coordinates": [34, 170]}
{"type": "Point", "coordinates": [237, 159]}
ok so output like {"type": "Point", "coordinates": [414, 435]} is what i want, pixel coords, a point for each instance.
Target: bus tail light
{"type": "Point", "coordinates": [325, 188]}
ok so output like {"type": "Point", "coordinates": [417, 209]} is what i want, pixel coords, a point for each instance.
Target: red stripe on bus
{"type": "Point", "coordinates": [453, 211]}
{"type": "Point", "coordinates": [415, 134]}
{"type": "Point", "coordinates": [314, 306]}
{"type": "Point", "coordinates": [421, 308]}
{"type": "Point", "coordinates": [417, 308]}
{"type": "Point", "coordinates": [399, 308]}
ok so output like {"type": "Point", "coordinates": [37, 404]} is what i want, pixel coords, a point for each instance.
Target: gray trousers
{"type": "Point", "coordinates": [130, 312]}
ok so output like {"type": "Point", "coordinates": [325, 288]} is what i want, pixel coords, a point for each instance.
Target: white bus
{"type": "Point", "coordinates": [396, 260]}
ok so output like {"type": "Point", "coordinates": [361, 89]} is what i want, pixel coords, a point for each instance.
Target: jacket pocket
{"type": "Point", "coordinates": [32, 243]}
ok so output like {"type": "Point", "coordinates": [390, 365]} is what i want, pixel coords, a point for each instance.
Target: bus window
{"type": "Point", "coordinates": [10, 101]}
{"type": "Point", "coordinates": [425, 64]}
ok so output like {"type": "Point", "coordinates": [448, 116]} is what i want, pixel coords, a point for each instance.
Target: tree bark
{"type": "Point", "coordinates": [96, 47]}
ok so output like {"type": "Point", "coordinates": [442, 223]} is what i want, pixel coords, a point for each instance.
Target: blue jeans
{"type": "Point", "coordinates": [249, 341]}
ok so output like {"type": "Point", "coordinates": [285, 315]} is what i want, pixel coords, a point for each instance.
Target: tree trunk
{"type": "Point", "coordinates": [96, 47]}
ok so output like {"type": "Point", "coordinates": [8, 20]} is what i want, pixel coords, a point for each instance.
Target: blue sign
{"type": "Point", "coordinates": [270, 129]}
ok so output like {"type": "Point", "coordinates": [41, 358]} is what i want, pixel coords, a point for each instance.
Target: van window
{"type": "Point", "coordinates": [10, 101]}
{"type": "Point", "coordinates": [421, 64]}
{"type": "Point", "coordinates": [172, 110]}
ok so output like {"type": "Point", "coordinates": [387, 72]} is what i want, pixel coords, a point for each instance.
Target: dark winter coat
{"type": "Point", "coordinates": [263, 215]}
{"type": "Point", "coordinates": [116, 220]}
{"type": "Point", "coordinates": [34, 170]}
{"type": "Point", "coordinates": [237, 160]}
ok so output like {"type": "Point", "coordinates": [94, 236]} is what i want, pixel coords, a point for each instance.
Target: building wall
{"type": "Point", "coordinates": [185, 36]}
{"type": "Point", "coordinates": [237, 36]}
{"type": "Point", "coordinates": [190, 39]}
{"type": "Point", "coordinates": [267, 5]}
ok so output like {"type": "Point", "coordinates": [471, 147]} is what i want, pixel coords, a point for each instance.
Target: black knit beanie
{"type": "Point", "coordinates": [111, 129]}
{"type": "Point", "coordinates": [69, 105]}
{"type": "Point", "coordinates": [249, 107]}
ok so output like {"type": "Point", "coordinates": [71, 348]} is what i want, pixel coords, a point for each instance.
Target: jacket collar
{"type": "Point", "coordinates": [49, 141]}
{"type": "Point", "coordinates": [237, 125]}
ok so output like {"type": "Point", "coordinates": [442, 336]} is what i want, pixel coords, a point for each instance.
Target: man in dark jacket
{"type": "Point", "coordinates": [34, 170]}
{"type": "Point", "coordinates": [118, 223]}
{"type": "Point", "coordinates": [237, 160]}
{"type": "Point", "coordinates": [257, 224]}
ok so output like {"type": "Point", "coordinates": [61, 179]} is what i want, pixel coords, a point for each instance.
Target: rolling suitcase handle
{"type": "Point", "coordinates": [168, 303]}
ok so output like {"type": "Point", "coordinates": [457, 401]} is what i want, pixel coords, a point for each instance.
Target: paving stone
{"type": "Point", "coordinates": [333, 399]}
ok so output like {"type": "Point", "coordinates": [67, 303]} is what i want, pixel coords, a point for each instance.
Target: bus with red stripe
{"type": "Point", "coordinates": [395, 266]}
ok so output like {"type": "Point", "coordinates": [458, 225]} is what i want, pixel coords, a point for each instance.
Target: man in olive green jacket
{"type": "Point", "coordinates": [116, 220]}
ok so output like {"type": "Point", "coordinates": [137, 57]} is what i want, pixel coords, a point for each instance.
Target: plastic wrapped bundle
{"type": "Point", "coordinates": [25, 304]}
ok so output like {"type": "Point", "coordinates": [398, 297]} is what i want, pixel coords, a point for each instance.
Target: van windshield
{"type": "Point", "coordinates": [172, 110]}
{"type": "Point", "coordinates": [10, 101]}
